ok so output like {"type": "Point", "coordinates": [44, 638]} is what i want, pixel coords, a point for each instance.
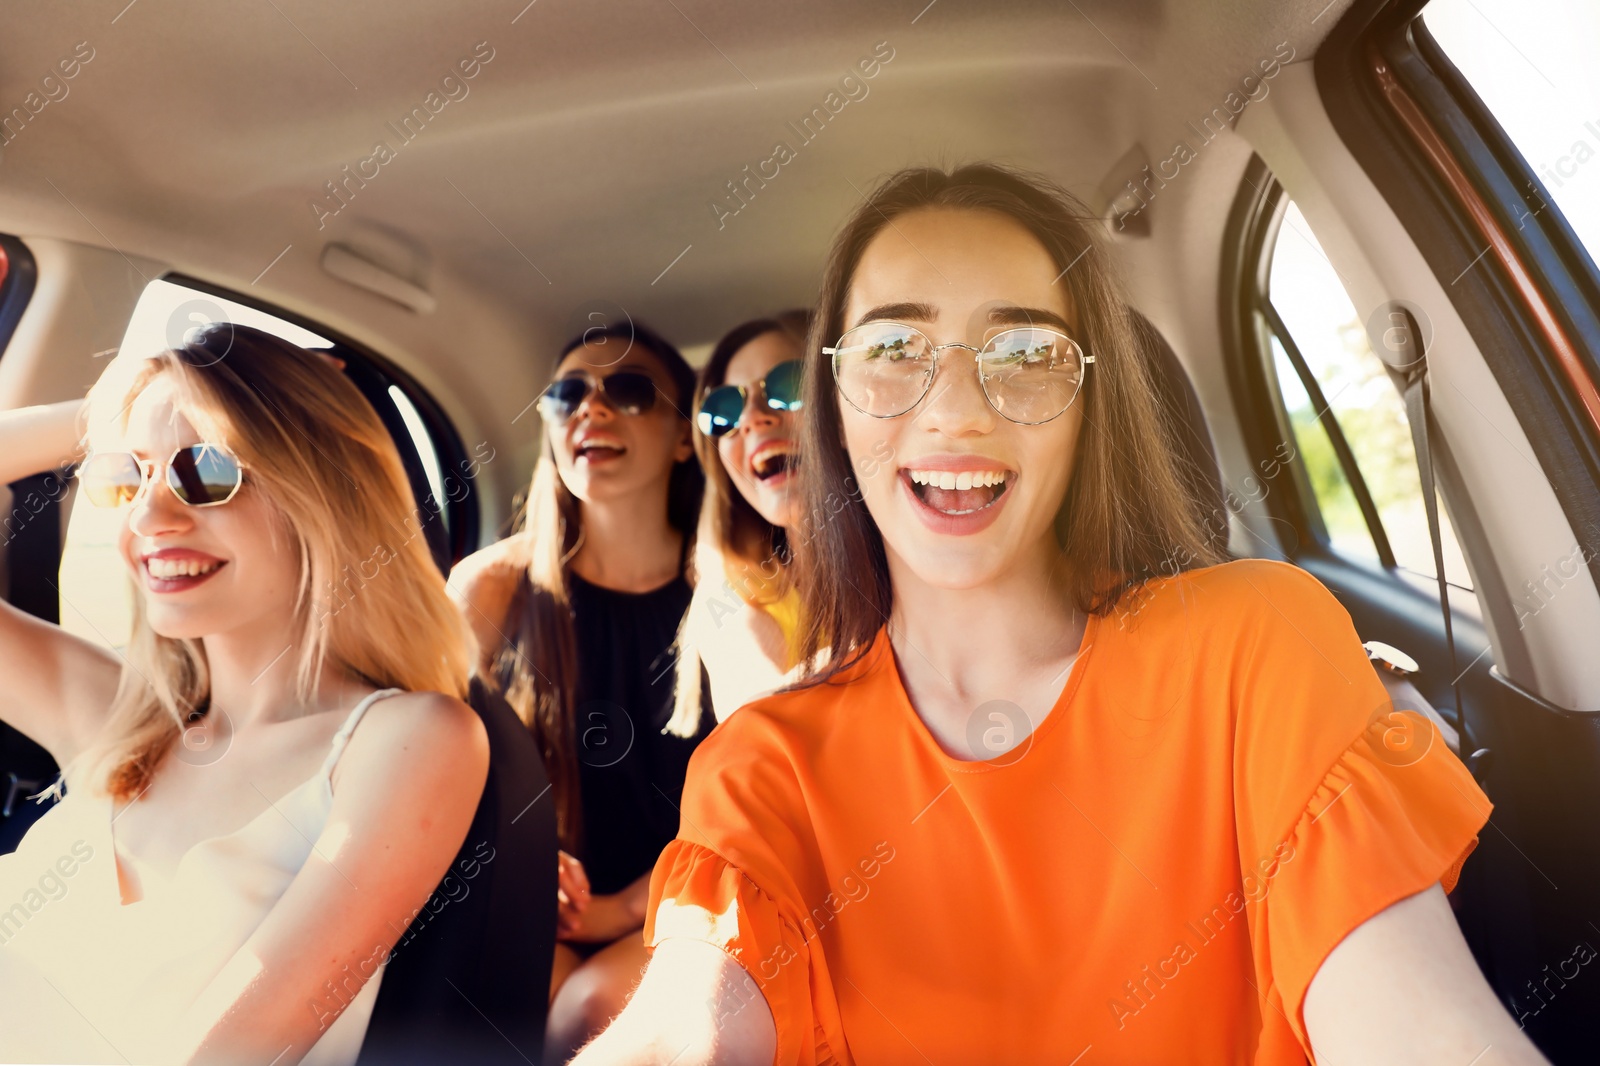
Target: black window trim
{"type": "Point", "coordinates": [22, 275]}
{"type": "Point", "coordinates": [1330, 425]}
{"type": "Point", "coordinates": [1379, 39]}
{"type": "Point", "coordinates": [25, 766]}
{"type": "Point", "coordinates": [457, 536]}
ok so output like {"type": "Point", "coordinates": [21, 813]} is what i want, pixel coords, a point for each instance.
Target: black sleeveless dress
{"type": "Point", "coordinates": [630, 773]}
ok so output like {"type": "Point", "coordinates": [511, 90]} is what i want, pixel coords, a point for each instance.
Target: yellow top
{"type": "Point", "coordinates": [781, 602]}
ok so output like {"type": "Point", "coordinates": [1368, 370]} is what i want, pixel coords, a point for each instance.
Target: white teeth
{"type": "Point", "coordinates": [170, 568]}
{"type": "Point", "coordinates": [784, 448]}
{"type": "Point", "coordinates": [967, 479]}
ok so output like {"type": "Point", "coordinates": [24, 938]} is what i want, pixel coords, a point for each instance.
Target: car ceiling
{"type": "Point", "coordinates": [577, 172]}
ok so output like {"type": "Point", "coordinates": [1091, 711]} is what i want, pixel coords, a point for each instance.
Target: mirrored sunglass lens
{"type": "Point", "coordinates": [203, 474]}
{"type": "Point", "coordinates": [110, 480]}
{"type": "Point", "coordinates": [1031, 375]}
{"type": "Point", "coordinates": [883, 369]}
{"type": "Point", "coordinates": [563, 397]}
{"type": "Point", "coordinates": [783, 386]}
{"type": "Point", "coordinates": [720, 411]}
{"type": "Point", "coordinates": [631, 393]}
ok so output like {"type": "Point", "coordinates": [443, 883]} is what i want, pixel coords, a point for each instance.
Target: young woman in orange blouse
{"type": "Point", "coordinates": [1064, 786]}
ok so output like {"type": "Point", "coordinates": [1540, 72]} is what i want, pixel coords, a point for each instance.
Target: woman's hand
{"type": "Point", "coordinates": [572, 894]}
{"type": "Point", "coordinates": [695, 1005]}
{"type": "Point", "coordinates": [602, 919]}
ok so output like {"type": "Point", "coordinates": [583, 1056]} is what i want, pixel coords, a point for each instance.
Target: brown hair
{"type": "Point", "coordinates": [538, 664]}
{"type": "Point", "coordinates": [727, 520]}
{"type": "Point", "coordinates": [1126, 515]}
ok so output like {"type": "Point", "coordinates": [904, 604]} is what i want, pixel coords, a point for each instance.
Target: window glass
{"type": "Point", "coordinates": [96, 590]}
{"type": "Point", "coordinates": [1347, 530]}
{"type": "Point", "coordinates": [423, 442]}
{"type": "Point", "coordinates": [1532, 63]}
{"type": "Point", "coordinates": [1310, 299]}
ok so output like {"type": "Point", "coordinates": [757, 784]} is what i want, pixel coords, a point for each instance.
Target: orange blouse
{"type": "Point", "coordinates": [1219, 795]}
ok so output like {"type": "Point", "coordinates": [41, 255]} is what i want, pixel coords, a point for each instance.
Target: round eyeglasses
{"type": "Point", "coordinates": [1029, 375]}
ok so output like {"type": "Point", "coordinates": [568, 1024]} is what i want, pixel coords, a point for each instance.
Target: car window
{"type": "Point", "coordinates": [1532, 64]}
{"type": "Point", "coordinates": [1347, 417]}
{"type": "Point", "coordinates": [95, 590]}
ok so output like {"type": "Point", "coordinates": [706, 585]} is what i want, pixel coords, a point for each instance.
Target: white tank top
{"type": "Point", "coordinates": [87, 978]}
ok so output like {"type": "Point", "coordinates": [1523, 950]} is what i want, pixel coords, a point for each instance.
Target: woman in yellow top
{"type": "Point", "coordinates": [742, 629]}
{"type": "Point", "coordinates": [1050, 799]}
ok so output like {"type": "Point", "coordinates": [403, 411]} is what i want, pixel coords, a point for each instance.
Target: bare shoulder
{"type": "Point", "coordinates": [483, 585]}
{"type": "Point", "coordinates": [500, 564]}
{"type": "Point", "coordinates": [426, 733]}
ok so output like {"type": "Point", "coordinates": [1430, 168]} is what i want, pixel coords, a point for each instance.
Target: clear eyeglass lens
{"type": "Point", "coordinates": [1031, 375]}
{"type": "Point", "coordinates": [883, 369]}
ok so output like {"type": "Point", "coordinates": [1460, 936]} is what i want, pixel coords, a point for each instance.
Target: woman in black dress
{"type": "Point", "coordinates": [576, 615]}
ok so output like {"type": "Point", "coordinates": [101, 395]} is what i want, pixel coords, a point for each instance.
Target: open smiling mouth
{"type": "Point", "coordinates": [597, 450]}
{"type": "Point", "coordinates": [960, 494]}
{"type": "Point", "coordinates": [177, 574]}
{"type": "Point", "coordinates": [774, 462]}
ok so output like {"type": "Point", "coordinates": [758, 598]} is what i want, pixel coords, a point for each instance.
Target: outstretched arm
{"type": "Point", "coordinates": [1403, 988]}
{"type": "Point", "coordinates": [695, 1006]}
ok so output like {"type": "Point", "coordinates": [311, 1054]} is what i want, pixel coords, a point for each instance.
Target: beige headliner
{"type": "Point", "coordinates": [577, 174]}
{"type": "Point", "coordinates": [586, 153]}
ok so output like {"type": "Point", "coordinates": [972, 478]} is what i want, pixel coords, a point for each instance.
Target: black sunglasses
{"type": "Point", "coordinates": [723, 407]}
{"type": "Point", "coordinates": [629, 391]}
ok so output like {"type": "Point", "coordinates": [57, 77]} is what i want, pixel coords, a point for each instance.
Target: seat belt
{"type": "Point", "coordinates": [1416, 391]}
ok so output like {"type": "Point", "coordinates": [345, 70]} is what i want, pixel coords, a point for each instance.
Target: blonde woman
{"type": "Point", "coordinates": [269, 781]}
{"type": "Point", "coordinates": [742, 628]}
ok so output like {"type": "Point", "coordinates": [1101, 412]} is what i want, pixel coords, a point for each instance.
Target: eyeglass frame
{"type": "Point", "coordinates": [1084, 359]}
{"type": "Point", "coordinates": [147, 475]}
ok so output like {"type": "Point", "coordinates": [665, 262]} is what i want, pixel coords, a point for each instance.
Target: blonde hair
{"type": "Point", "coordinates": [318, 454]}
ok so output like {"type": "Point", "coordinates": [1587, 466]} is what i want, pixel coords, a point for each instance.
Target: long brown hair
{"type": "Point", "coordinates": [756, 548]}
{"type": "Point", "coordinates": [1126, 516]}
{"type": "Point", "coordinates": [538, 664]}
{"type": "Point", "coordinates": [307, 438]}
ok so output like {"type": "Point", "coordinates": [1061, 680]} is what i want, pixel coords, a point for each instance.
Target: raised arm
{"type": "Point", "coordinates": [694, 1006]}
{"type": "Point", "coordinates": [58, 687]}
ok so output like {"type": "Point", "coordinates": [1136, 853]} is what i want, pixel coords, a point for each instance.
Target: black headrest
{"type": "Point", "coordinates": [1186, 423]}
{"type": "Point", "coordinates": [468, 980]}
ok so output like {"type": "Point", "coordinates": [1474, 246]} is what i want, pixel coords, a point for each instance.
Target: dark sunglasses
{"type": "Point", "coordinates": [723, 407]}
{"type": "Point", "coordinates": [201, 475]}
{"type": "Point", "coordinates": [628, 391]}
